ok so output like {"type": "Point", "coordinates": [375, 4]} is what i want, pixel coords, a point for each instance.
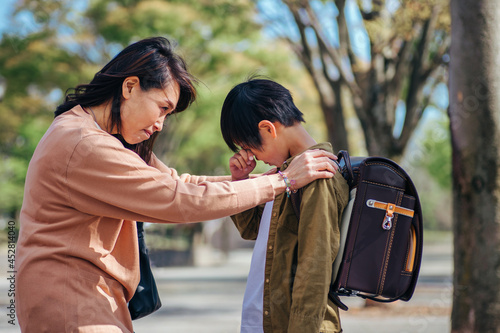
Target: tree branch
{"type": "Point", "coordinates": [335, 56]}
{"type": "Point", "coordinates": [374, 13]}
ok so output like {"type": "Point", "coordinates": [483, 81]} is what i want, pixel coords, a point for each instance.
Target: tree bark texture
{"type": "Point", "coordinates": [474, 122]}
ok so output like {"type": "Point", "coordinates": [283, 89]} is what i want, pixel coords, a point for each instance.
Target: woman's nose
{"type": "Point", "coordinates": [158, 126]}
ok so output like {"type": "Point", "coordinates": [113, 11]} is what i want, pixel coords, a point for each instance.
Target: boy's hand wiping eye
{"type": "Point", "coordinates": [242, 164]}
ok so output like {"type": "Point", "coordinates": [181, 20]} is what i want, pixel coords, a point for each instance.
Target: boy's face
{"type": "Point", "coordinates": [273, 150]}
{"type": "Point", "coordinates": [266, 156]}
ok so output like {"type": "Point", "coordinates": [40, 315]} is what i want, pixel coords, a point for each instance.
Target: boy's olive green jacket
{"type": "Point", "coordinates": [300, 255]}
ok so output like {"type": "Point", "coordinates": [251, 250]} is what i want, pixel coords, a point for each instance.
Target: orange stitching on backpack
{"type": "Point", "coordinates": [391, 240]}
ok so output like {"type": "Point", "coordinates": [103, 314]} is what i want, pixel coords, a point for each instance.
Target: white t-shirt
{"type": "Point", "coordinates": [253, 301]}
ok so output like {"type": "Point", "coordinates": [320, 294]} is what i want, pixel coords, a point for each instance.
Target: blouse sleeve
{"type": "Point", "coordinates": [105, 179]}
{"type": "Point", "coordinates": [185, 177]}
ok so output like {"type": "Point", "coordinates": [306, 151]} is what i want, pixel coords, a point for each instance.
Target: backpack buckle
{"type": "Point", "coordinates": [387, 224]}
{"type": "Point", "coordinates": [390, 209]}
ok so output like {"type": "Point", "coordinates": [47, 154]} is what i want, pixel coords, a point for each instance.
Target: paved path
{"type": "Point", "coordinates": [208, 299]}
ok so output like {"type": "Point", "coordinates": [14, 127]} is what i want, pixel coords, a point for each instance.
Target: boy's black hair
{"type": "Point", "coordinates": [249, 103]}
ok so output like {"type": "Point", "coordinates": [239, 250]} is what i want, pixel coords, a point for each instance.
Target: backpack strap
{"type": "Point", "coordinates": [346, 168]}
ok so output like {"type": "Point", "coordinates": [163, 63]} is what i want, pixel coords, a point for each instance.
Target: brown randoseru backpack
{"type": "Point", "coordinates": [381, 235]}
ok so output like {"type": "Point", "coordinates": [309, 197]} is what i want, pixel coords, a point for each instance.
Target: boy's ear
{"type": "Point", "coordinates": [268, 127]}
{"type": "Point", "coordinates": [129, 83]}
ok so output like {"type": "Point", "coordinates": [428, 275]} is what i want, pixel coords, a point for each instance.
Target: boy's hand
{"type": "Point", "coordinates": [242, 164]}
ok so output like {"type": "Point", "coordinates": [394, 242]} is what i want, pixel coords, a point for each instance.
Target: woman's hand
{"type": "Point", "coordinates": [241, 164]}
{"type": "Point", "coordinates": [311, 165]}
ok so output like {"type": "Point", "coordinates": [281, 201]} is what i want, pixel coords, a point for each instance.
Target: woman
{"type": "Point", "coordinates": [77, 255]}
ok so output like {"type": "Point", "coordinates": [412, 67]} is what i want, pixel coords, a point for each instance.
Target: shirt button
{"type": "Point", "coordinates": [274, 214]}
{"type": "Point", "coordinates": [270, 247]}
{"type": "Point", "coordinates": [266, 313]}
{"type": "Point", "coordinates": [267, 280]}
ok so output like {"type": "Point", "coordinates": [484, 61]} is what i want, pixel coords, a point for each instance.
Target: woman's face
{"type": "Point", "coordinates": [143, 112]}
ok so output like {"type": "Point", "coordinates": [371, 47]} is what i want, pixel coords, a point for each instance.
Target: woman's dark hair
{"type": "Point", "coordinates": [154, 62]}
{"type": "Point", "coordinates": [249, 103]}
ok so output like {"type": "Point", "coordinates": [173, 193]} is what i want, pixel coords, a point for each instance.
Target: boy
{"type": "Point", "coordinates": [290, 272]}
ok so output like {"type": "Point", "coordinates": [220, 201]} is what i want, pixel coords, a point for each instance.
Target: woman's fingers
{"type": "Point", "coordinates": [324, 161]}
{"type": "Point", "coordinates": [320, 153]}
{"type": "Point", "coordinates": [312, 165]}
{"type": "Point", "coordinates": [319, 160]}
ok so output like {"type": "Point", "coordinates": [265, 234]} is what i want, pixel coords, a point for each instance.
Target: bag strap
{"type": "Point", "coordinates": [346, 171]}
{"type": "Point", "coordinates": [146, 298]}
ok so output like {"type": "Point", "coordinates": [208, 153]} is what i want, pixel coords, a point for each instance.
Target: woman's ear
{"type": "Point", "coordinates": [128, 85]}
{"type": "Point", "coordinates": [267, 128]}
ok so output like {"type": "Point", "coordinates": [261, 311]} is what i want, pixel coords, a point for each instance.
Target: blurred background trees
{"type": "Point", "coordinates": [367, 74]}
{"type": "Point", "coordinates": [383, 59]}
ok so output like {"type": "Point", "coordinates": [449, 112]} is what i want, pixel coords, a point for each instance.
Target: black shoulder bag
{"type": "Point", "coordinates": [146, 299]}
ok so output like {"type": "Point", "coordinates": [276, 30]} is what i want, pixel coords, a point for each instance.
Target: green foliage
{"type": "Point", "coordinates": [13, 167]}
{"type": "Point", "coordinates": [437, 152]}
{"type": "Point", "coordinates": [170, 237]}
{"type": "Point", "coordinates": [12, 175]}
{"type": "Point", "coordinates": [37, 61]}
{"type": "Point", "coordinates": [429, 164]}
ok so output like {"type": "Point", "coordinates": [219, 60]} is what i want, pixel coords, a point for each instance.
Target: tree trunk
{"type": "Point", "coordinates": [334, 118]}
{"type": "Point", "coordinates": [474, 121]}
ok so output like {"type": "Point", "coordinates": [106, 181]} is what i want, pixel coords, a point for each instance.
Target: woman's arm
{"type": "Point", "coordinates": [103, 178]}
{"type": "Point", "coordinates": [185, 177]}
